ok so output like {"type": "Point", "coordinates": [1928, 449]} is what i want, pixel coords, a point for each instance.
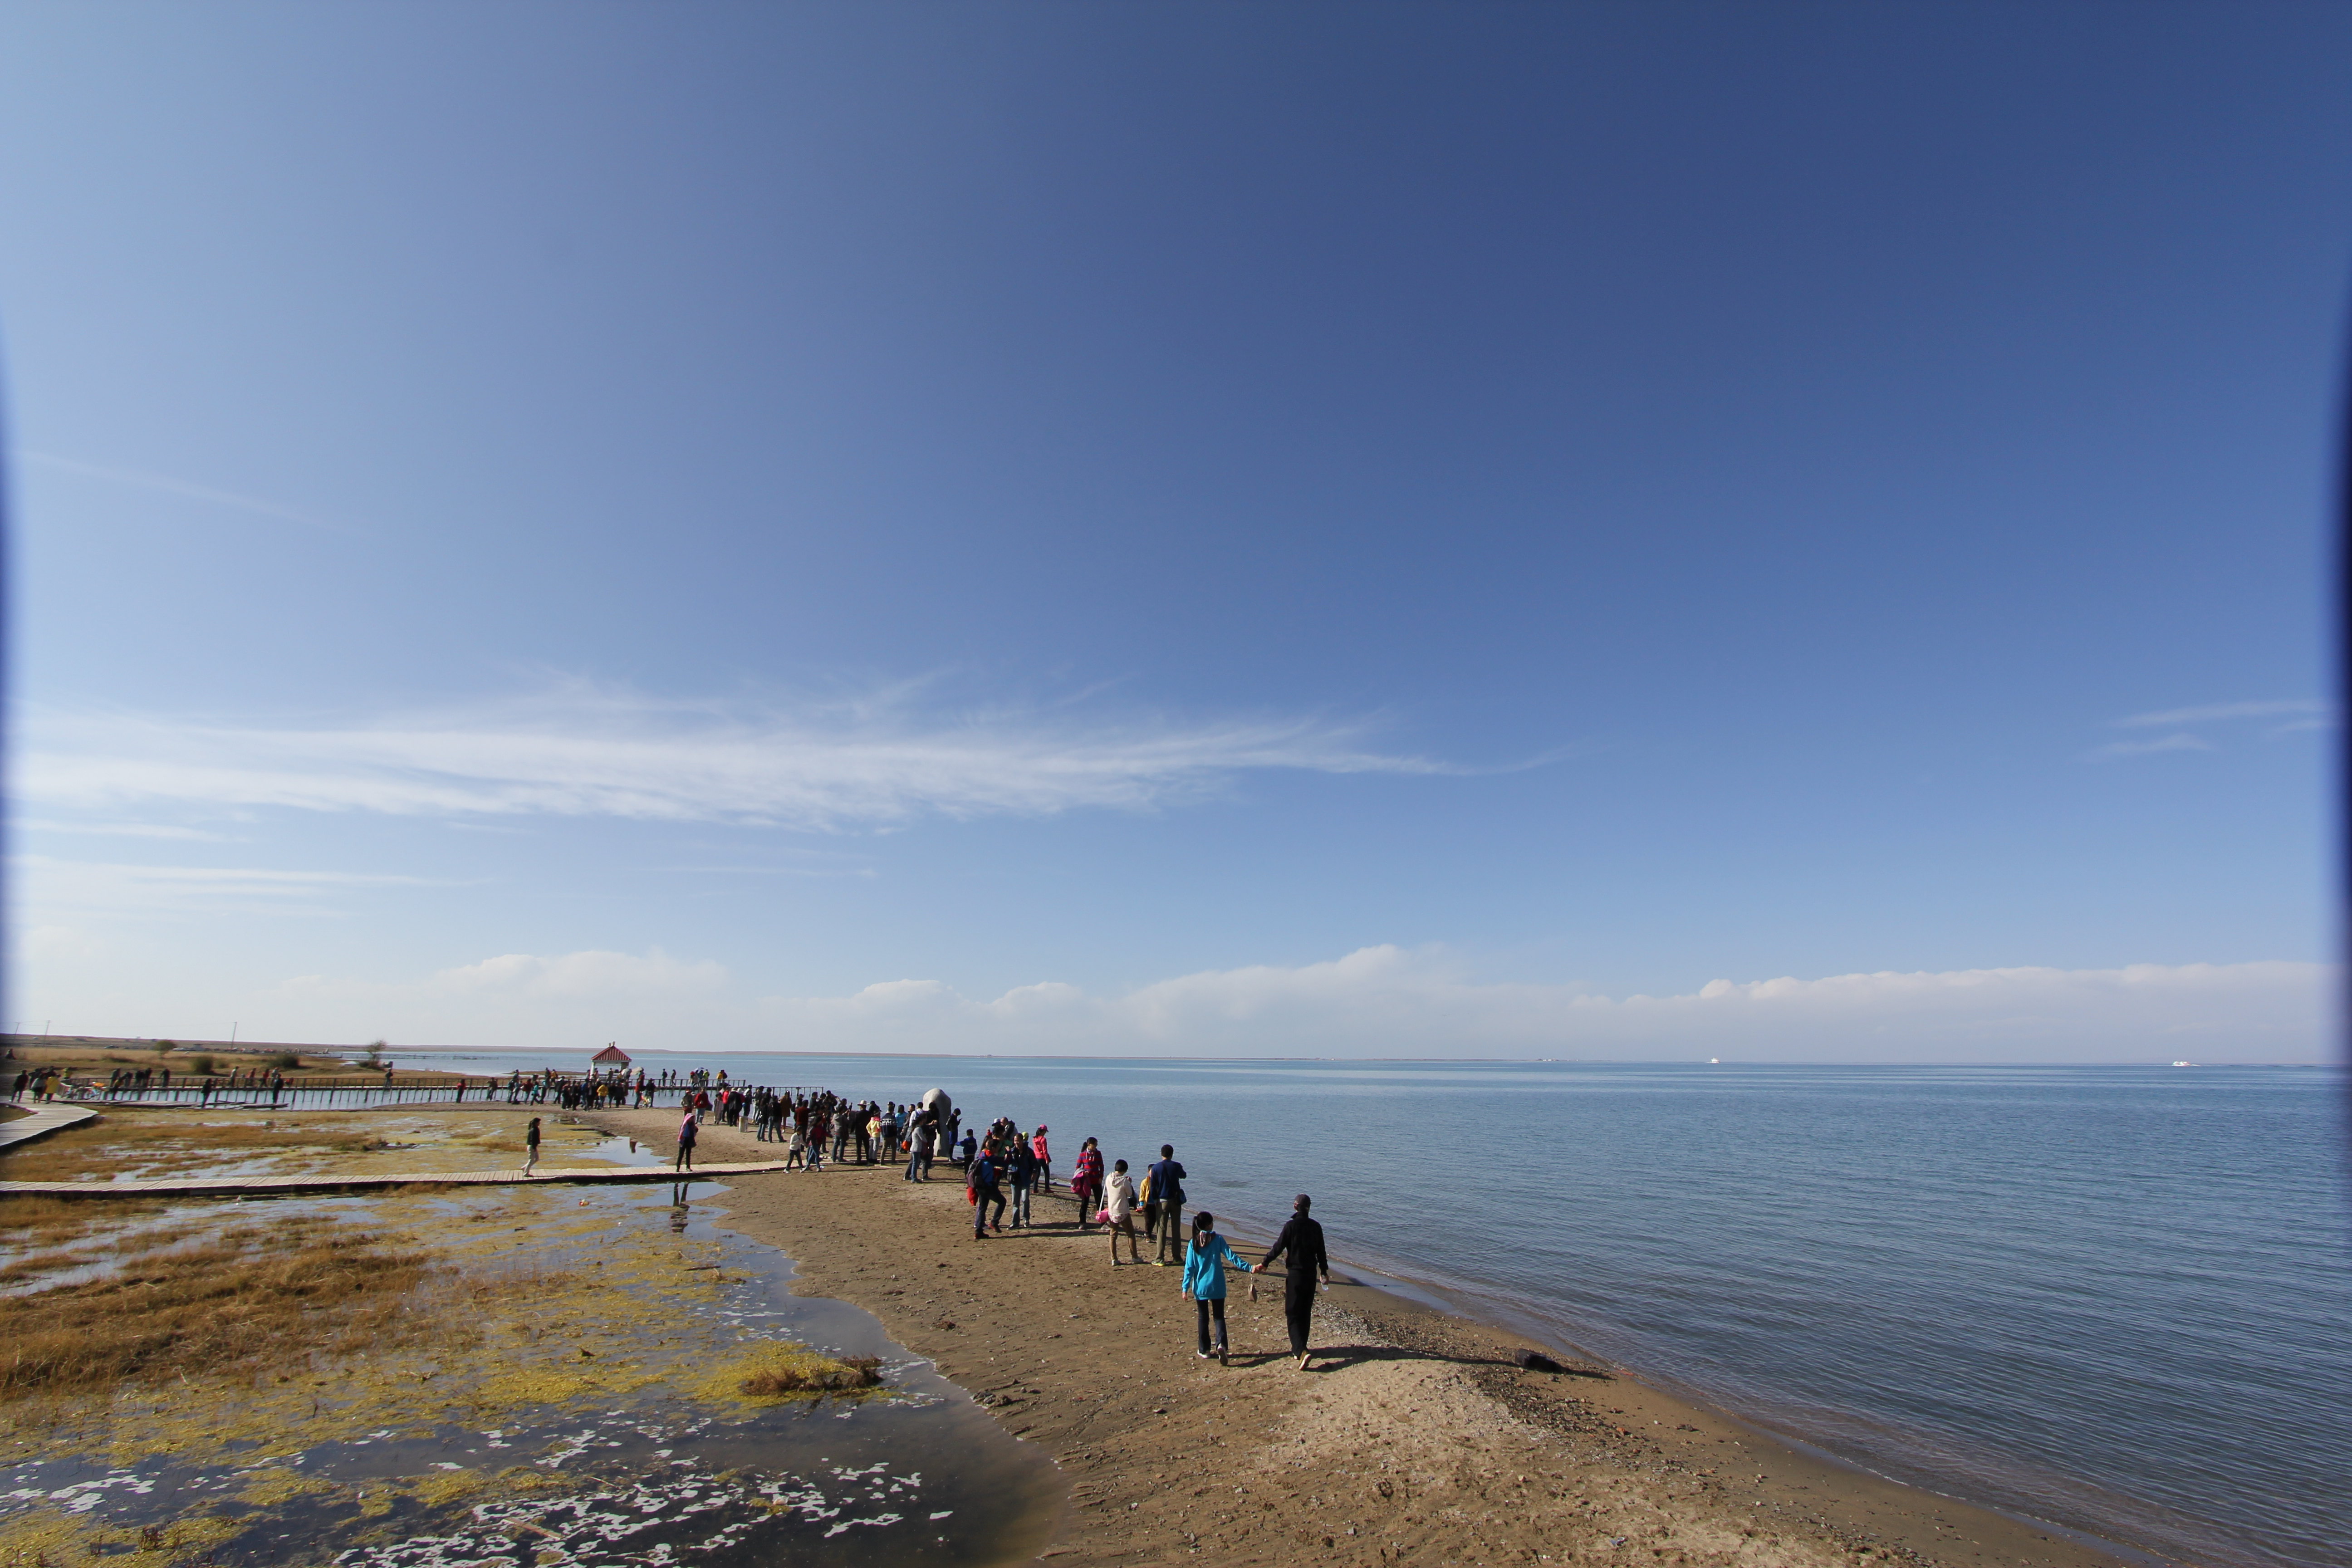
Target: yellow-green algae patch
{"type": "Point", "coordinates": [724, 1380]}
{"type": "Point", "coordinates": [538, 1303]}
{"type": "Point", "coordinates": [49, 1538]}
{"type": "Point", "coordinates": [277, 1485]}
{"type": "Point", "coordinates": [533, 1307]}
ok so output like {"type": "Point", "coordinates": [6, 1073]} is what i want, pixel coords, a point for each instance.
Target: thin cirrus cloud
{"type": "Point", "coordinates": [188, 490]}
{"type": "Point", "coordinates": [54, 887]}
{"type": "Point", "coordinates": [2290, 715]}
{"type": "Point", "coordinates": [2306, 708]}
{"type": "Point", "coordinates": [872, 761]}
{"type": "Point", "coordinates": [122, 830]}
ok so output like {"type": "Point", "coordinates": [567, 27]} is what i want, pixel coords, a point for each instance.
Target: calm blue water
{"type": "Point", "coordinates": [2115, 1298]}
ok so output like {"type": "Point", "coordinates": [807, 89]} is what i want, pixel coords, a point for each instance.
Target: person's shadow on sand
{"type": "Point", "coordinates": [1339, 1358]}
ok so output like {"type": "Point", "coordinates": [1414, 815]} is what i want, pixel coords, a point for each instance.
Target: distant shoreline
{"type": "Point", "coordinates": [242, 1047]}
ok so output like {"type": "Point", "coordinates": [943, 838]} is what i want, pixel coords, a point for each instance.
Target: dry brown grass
{"type": "Point", "coordinates": [46, 1222]}
{"type": "Point", "coordinates": [101, 1057]}
{"type": "Point", "coordinates": [813, 1374]}
{"type": "Point", "coordinates": [246, 1296]}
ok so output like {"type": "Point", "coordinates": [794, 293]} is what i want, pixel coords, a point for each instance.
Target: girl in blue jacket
{"type": "Point", "coordinates": [1204, 1279]}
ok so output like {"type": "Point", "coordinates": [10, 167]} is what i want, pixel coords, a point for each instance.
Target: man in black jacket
{"type": "Point", "coordinates": [985, 1191]}
{"type": "Point", "coordinates": [1300, 1244]}
{"type": "Point", "coordinates": [1167, 1180]}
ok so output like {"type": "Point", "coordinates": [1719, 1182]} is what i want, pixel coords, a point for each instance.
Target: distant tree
{"type": "Point", "coordinates": [375, 1053]}
{"type": "Point", "coordinates": [281, 1060]}
{"type": "Point", "coordinates": [166, 1048]}
{"type": "Point", "coordinates": [201, 1062]}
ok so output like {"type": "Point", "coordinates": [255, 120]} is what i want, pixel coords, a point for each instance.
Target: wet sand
{"type": "Point", "coordinates": [1415, 1438]}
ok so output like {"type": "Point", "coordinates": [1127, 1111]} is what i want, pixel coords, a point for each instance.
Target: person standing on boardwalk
{"type": "Point", "coordinates": [686, 1133]}
{"type": "Point", "coordinates": [1168, 1208]}
{"type": "Point", "coordinates": [1204, 1279]}
{"type": "Point", "coordinates": [531, 1146]}
{"type": "Point", "coordinates": [1119, 1209]}
{"type": "Point", "coordinates": [1300, 1244]}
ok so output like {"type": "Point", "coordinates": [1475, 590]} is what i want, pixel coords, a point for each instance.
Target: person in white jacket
{"type": "Point", "coordinates": [1119, 1199]}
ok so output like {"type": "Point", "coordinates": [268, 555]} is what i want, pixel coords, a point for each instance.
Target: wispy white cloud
{"type": "Point", "coordinates": [875, 759]}
{"type": "Point", "coordinates": [583, 975]}
{"type": "Point", "coordinates": [1376, 1002]}
{"type": "Point", "coordinates": [2301, 713]}
{"type": "Point", "coordinates": [122, 830]}
{"type": "Point", "coordinates": [2220, 711]}
{"type": "Point", "coordinates": [2180, 742]}
{"type": "Point", "coordinates": [187, 490]}
{"type": "Point", "coordinates": [49, 888]}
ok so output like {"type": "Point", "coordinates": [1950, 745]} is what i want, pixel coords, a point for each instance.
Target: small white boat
{"type": "Point", "coordinates": [2184, 1064]}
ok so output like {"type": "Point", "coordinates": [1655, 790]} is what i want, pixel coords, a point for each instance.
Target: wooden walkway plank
{"type": "Point", "coordinates": [272, 1186]}
{"type": "Point", "coordinates": [40, 1120]}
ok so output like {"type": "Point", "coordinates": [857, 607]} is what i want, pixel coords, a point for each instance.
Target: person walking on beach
{"type": "Point", "coordinates": [1045, 1161]}
{"type": "Point", "coordinates": [1120, 1212]}
{"type": "Point", "coordinates": [530, 1147]}
{"type": "Point", "coordinates": [686, 1134]}
{"type": "Point", "coordinates": [1085, 1182]}
{"type": "Point", "coordinates": [1167, 1180]}
{"type": "Point", "coordinates": [1205, 1260]}
{"type": "Point", "coordinates": [1300, 1244]}
{"type": "Point", "coordinates": [985, 1191]}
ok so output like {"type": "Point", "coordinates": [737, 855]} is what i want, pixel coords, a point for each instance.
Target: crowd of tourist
{"type": "Point", "coordinates": [33, 1083]}
{"type": "Point", "coordinates": [1005, 1169]}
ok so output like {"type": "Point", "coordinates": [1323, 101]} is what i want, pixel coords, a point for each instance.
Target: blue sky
{"type": "Point", "coordinates": [1220, 528]}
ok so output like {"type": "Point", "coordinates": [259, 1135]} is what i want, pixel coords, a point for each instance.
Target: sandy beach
{"type": "Point", "coordinates": [1415, 1438]}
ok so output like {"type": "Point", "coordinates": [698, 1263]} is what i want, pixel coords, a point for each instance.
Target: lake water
{"type": "Point", "coordinates": [2117, 1299]}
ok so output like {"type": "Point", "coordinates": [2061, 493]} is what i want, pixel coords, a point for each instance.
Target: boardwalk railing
{"type": "Point", "coordinates": [318, 1094]}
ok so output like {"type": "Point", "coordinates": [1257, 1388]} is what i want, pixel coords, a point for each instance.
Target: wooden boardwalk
{"type": "Point", "coordinates": [279, 1186]}
{"type": "Point", "coordinates": [41, 1120]}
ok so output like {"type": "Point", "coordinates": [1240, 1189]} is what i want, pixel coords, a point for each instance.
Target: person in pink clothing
{"type": "Point", "coordinates": [1085, 1182]}
{"type": "Point", "coordinates": [686, 1131]}
{"type": "Point", "coordinates": [1044, 1165]}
